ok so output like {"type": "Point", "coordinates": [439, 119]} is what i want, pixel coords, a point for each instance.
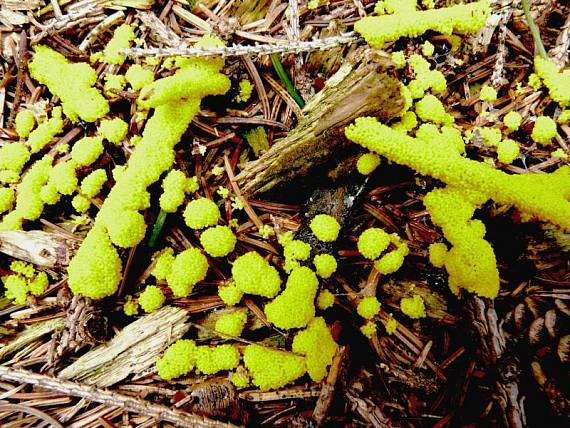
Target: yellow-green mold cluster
{"type": "Point", "coordinates": [24, 281]}
{"type": "Point", "coordinates": [471, 258]}
{"type": "Point", "coordinates": [176, 100]}
{"type": "Point", "coordinates": [71, 82]}
{"type": "Point", "coordinates": [406, 21]}
{"type": "Point", "coordinates": [182, 356]}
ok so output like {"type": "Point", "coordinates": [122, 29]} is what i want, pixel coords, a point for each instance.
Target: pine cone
{"type": "Point", "coordinates": [84, 324]}
{"type": "Point", "coordinates": [539, 330]}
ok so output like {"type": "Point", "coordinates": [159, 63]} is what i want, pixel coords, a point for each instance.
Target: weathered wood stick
{"type": "Point", "coordinates": [361, 87]}
{"type": "Point", "coordinates": [109, 398]}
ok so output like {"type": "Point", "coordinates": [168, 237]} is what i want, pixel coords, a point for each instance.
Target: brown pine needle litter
{"type": "Point", "coordinates": [271, 153]}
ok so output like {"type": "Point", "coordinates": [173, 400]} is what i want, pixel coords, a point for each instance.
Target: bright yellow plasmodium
{"type": "Point", "coordinates": [131, 306]}
{"type": "Point", "coordinates": [508, 150]}
{"type": "Point", "coordinates": [80, 203]}
{"type": "Point", "coordinates": [391, 325]}
{"type": "Point", "coordinates": [201, 213]}
{"type": "Point", "coordinates": [437, 254]}
{"type": "Point", "coordinates": [218, 241]}
{"type": "Point", "coordinates": [63, 177]}
{"type": "Point", "coordinates": [541, 195]}
{"type": "Point", "coordinates": [512, 120]}
{"type": "Point", "coordinates": [121, 39]}
{"type": "Point", "coordinates": [544, 130]}
{"type": "Point", "coordinates": [24, 122]}
{"type": "Point", "coordinates": [23, 282]}
{"type": "Point", "coordinates": [296, 250]}
{"type": "Point", "coordinates": [97, 268]}
{"type": "Point", "coordinates": [369, 329]}
{"type": "Point", "coordinates": [325, 300]}
{"type": "Point", "coordinates": [367, 163]}
{"type": "Point", "coordinates": [271, 368]}
{"type": "Point", "coordinates": [71, 82]}
{"type": "Point", "coordinates": [174, 186]}
{"type": "Point", "coordinates": [13, 157]}
{"type": "Point", "coordinates": [113, 130]}
{"type": "Point", "coordinates": [179, 359]}
{"type": "Point", "coordinates": [431, 109]}
{"type": "Point", "coordinates": [87, 150]}
{"type": "Point", "coordinates": [188, 268]}
{"type": "Point", "coordinates": [368, 307]}
{"type": "Point", "coordinates": [232, 323]}
{"type": "Point", "coordinates": [138, 77]}
{"type": "Point", "coordinates": [7, 198]}
{"type": "Point", "coordinates": [294, 307]}
{"type": "Point", "coordinates": [254, 275]}
{"type": "Point", "coordinates": [214, 359]}
{"type": "Point", "coordinates": [409, 22]}
{"type": "Point", "coordinates": [557, 81]}
{"type": "Point", "coordinates": [413, 306]}
{"type": "Point", "coordinates": [176, 100]}
{"type": "Point", "coordinates": [92, 184]}
{"type": "Point", "coordinates": [44, 133]}
{"type": "Point", "coordinates": [29, 204]}
{"type": "Point", "coordinates": [151, 299]}
{"type": "Point", "coordinates": [425, 79]}
{"type": "Point", "coordinates": [471, 262]}
{"type": "Point", "coordinates": [245, 91]}
{"type": "Point", "coordinates": [318, 346]}
{"type": "Point", "coordinates": [240, 378]}
{"type": "Point", "coordinates": [325, 265]}
{"type": "Point", "coordinates": [325, 227]}
{"type": "Point", "coordinates": [230, 294]}
{"type": "Point", "coordinates": [163, 263]}
{"type": "Point", "coordinates": [372, 242]}
{"type": "Point", "coordinates": [471, 258]}
{"type": "Point", "coordinates": [488, 93]}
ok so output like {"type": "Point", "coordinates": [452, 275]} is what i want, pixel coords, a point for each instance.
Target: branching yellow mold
{"type": "Point", "coordinates": [542, 195]}
{"type": "Point", "coordinates": [471, 262]}
{"type": "Point", "coordinates": [408, 22]}
{"type": "Point", "coordinates": [176, 100]}
{"type": "Point", "coordinates": [72, 83]}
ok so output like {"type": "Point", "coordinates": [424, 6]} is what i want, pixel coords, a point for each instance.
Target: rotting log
{"type": "Point", "coordinates": [361, 87]}
{"type": "Point", "coordinates": [40, 248]}
{"type": "Point", "coordinates": [133, 350]}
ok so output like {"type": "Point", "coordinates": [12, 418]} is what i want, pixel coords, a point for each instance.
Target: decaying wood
{"type": "Point", "coordinates": [368, 411]}
{"type": "Point", "coordinates": [361, 87]}
{"type": "Point", "coordinates": [45, 249]}
{"type": "Point", "coordinates": [559, 53]}
{"type": "Point", "coordinates": [217, 400]}
{"type": "Point", "coordinates": [133, 350]}
{"type": "Point", "coordinates": [109, 398]}
{"type": "Point", "coordinates": [29, 335]}
{"type": "Point", "coordinates": [85, 324]}
{"type": "Point", "coordinates": [329, 387]}
{"type": "Point", "coordinates": [493, 347]}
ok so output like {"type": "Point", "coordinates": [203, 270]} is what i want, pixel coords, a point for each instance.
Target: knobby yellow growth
{"type": "Point", "coordinates": [542, 195]}
{"type": "Point", "coordinates": [408, 22]}
{"type": "Point", "coordinates": [470, 262]}
{"type": "Point", "coordinates": [176, 100]}
{"type": "Point", "coordinates": [72, 83]}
